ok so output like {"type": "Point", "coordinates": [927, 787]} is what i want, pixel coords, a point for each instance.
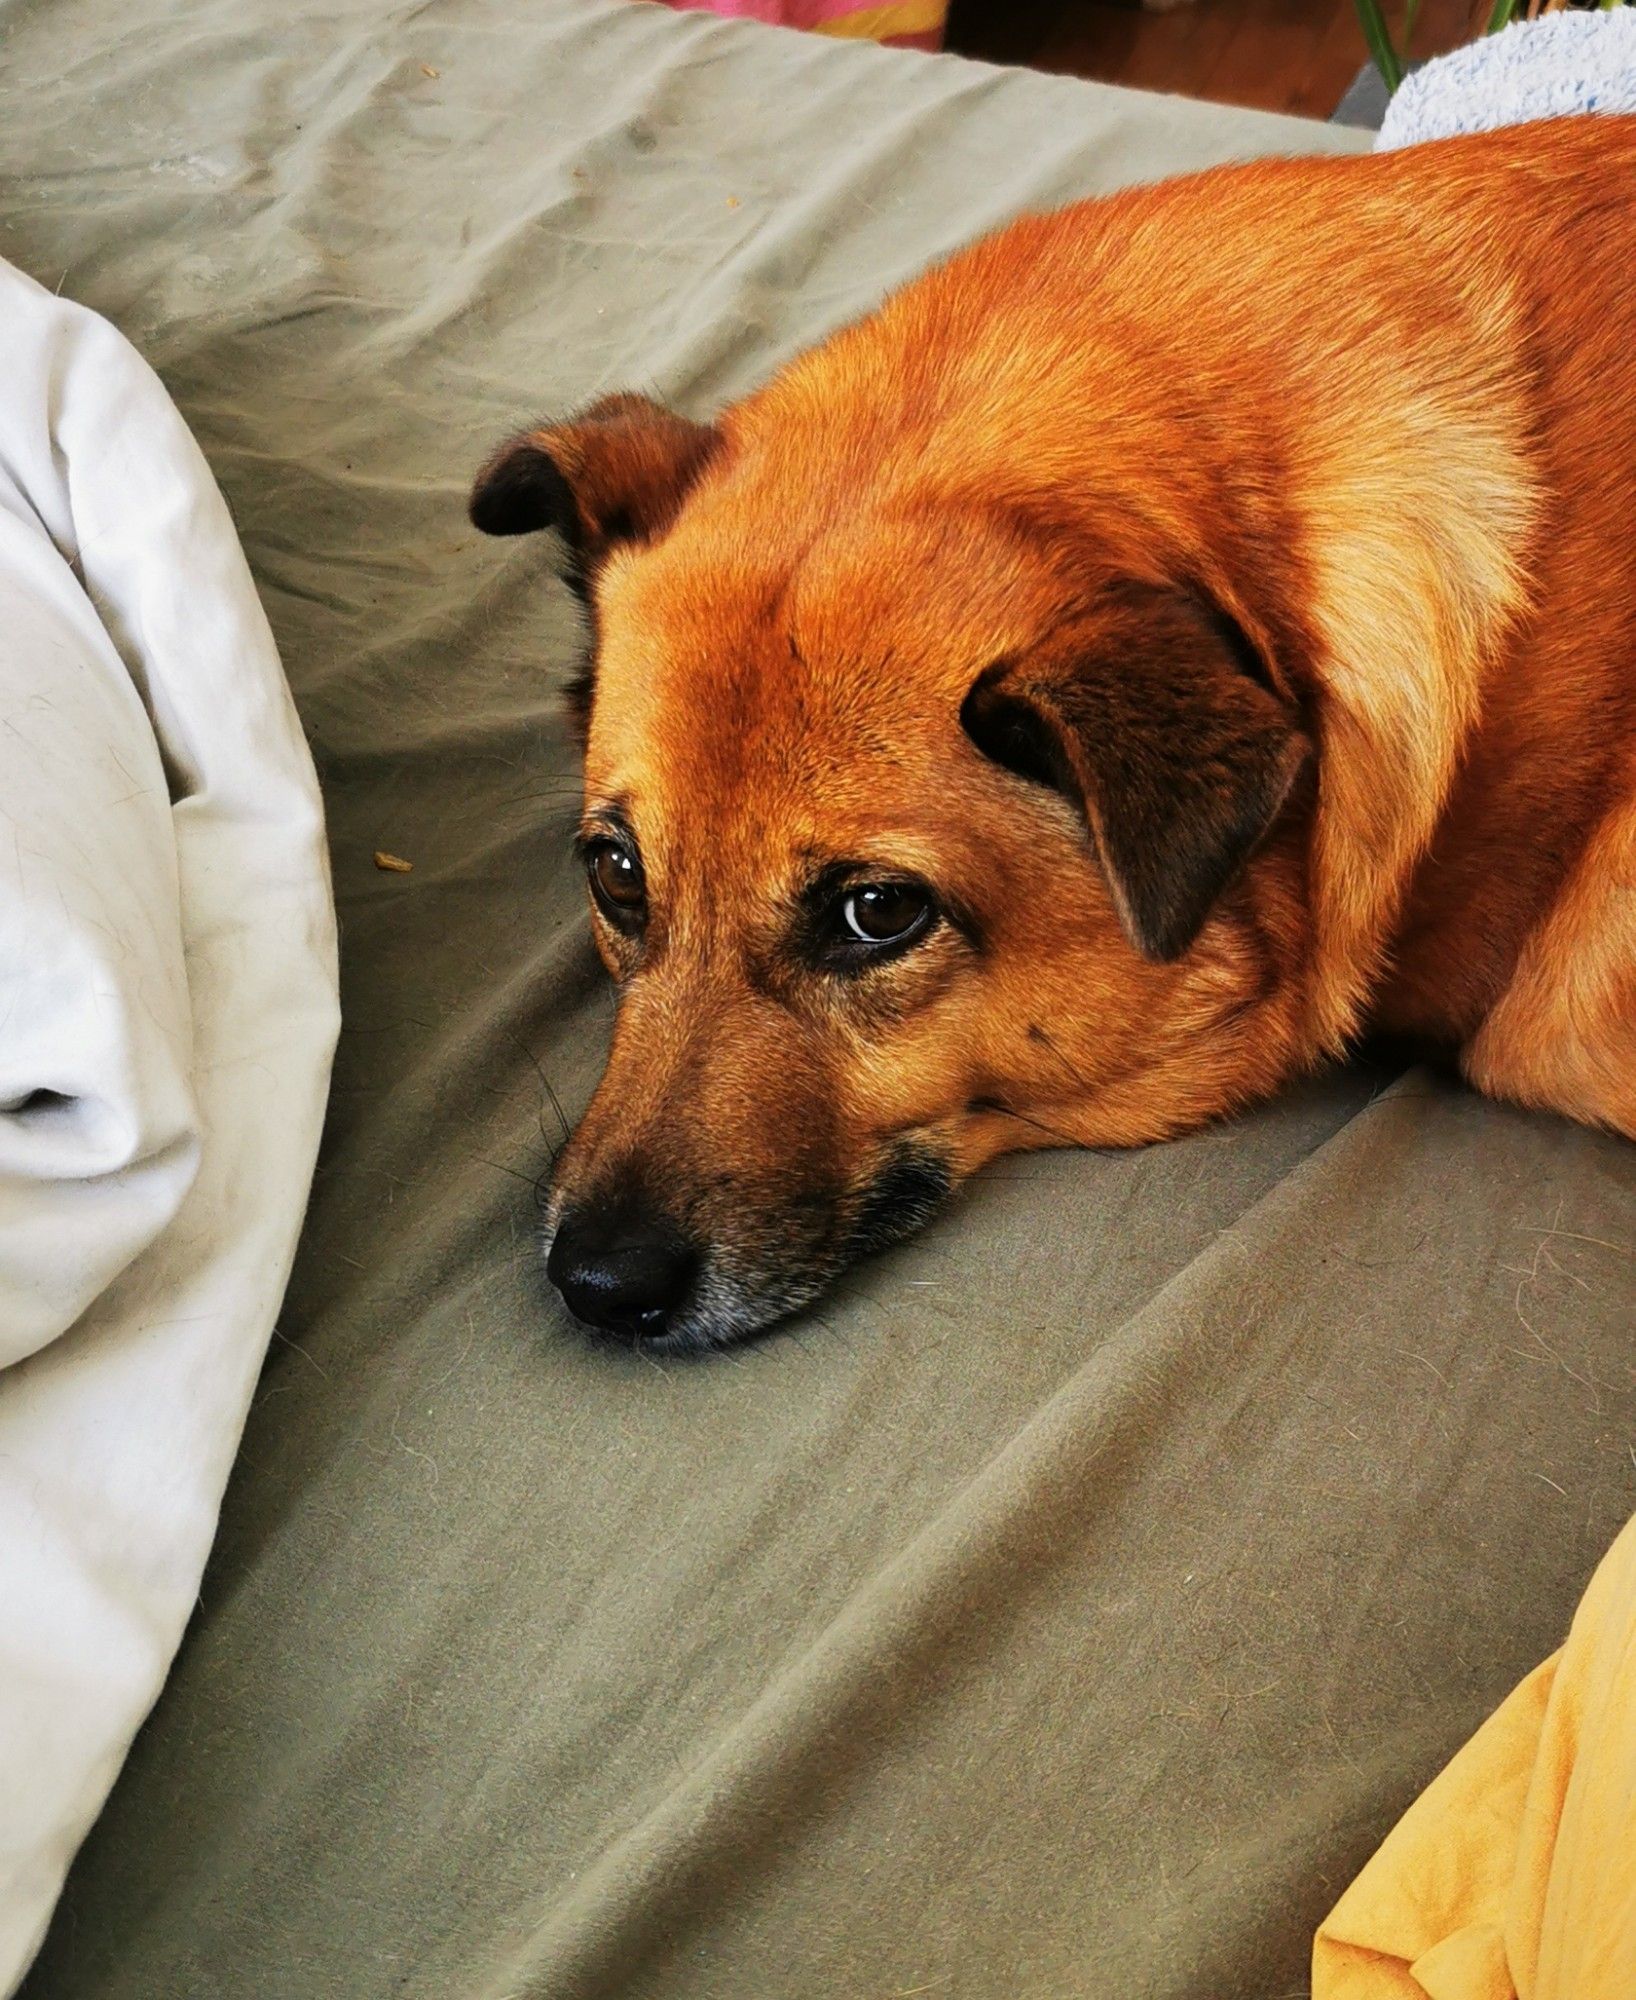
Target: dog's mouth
{"type": "Point", "coordinates": [674, 1288]}
{"type": "Point", "coordinates": [904, 1194]}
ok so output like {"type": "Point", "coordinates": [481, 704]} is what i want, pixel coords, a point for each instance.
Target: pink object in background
{"type": "Point", "coordinates": [906, 24]}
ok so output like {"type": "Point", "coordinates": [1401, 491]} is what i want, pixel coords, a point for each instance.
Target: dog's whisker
{"type": "Point", "coordinates": [1049, 1041]}
{"type": "Point", "coordinates": [1024, 1118]}
{"type": "Point", "coordinates": [555, 1101]}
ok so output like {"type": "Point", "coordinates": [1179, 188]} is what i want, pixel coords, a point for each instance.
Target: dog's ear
{"type": "Point", "coordinates": [617, 473]}
{"type": "Point", "coordinates": [1161, 723]}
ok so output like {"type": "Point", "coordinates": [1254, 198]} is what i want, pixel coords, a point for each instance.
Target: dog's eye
{"type": "Point", "coordinates": [617, 882]}
{"type": "Point", "coordinates": [885, 913]}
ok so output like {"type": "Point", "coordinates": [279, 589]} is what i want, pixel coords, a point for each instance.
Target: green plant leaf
{"type": "Point", "coordinates": [1500, 16]}
{"type": "Point", "coordinates": [1372, 20]}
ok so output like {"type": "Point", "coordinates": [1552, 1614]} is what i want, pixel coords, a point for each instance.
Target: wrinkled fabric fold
{"type": "Point", "coordinates": [167, 1016]}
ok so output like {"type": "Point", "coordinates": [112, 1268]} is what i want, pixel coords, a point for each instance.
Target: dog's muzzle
{"type": "Point", "coordinates": [627, 1268]}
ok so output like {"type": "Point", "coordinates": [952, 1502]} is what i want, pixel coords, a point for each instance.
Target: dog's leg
{"type": "Point", "coordinates": [1562, 1036]}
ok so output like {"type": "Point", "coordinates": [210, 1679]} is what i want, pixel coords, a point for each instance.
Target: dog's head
{"type": "Point", "coordinates": [917, 814]}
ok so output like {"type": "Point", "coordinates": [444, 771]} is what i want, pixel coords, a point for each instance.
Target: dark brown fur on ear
{"type": "Point", "coordinates": [1158, 720]}
{"type": "Point", "coordinates": [618, 472]}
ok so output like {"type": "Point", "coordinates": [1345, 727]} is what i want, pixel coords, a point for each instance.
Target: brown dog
{"type": "Point", "coordinates": [1175, 635]}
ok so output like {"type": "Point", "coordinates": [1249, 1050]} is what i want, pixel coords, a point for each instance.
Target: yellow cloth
{"type": "Point", "coordinates": [1513, 1875]}
{"type": "Point", "coordinates": [887, 23]}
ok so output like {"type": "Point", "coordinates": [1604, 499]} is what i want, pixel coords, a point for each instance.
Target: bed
{"type": "Point", "coordinates": [1071, 1603]}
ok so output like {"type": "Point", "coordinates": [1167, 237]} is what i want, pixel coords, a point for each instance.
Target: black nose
{"type": "Point", "coordinates": [627, 1274]}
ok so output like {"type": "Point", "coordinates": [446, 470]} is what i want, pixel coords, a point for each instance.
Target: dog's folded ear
{"type": "Point", "coordinates": [1155, 715]}
{"type": "Point", "coordinates": [618, 472]}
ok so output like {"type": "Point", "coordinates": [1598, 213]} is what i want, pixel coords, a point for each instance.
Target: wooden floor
{"type": "Point", "coordinates": [1280, 55]}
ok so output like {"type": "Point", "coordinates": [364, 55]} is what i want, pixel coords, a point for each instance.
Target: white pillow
{"type": "Point", "coordinates": [168, 1013]}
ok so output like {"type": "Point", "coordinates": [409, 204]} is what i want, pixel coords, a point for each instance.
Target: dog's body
{"type": "Point", "coordinates": [1213, 609]}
